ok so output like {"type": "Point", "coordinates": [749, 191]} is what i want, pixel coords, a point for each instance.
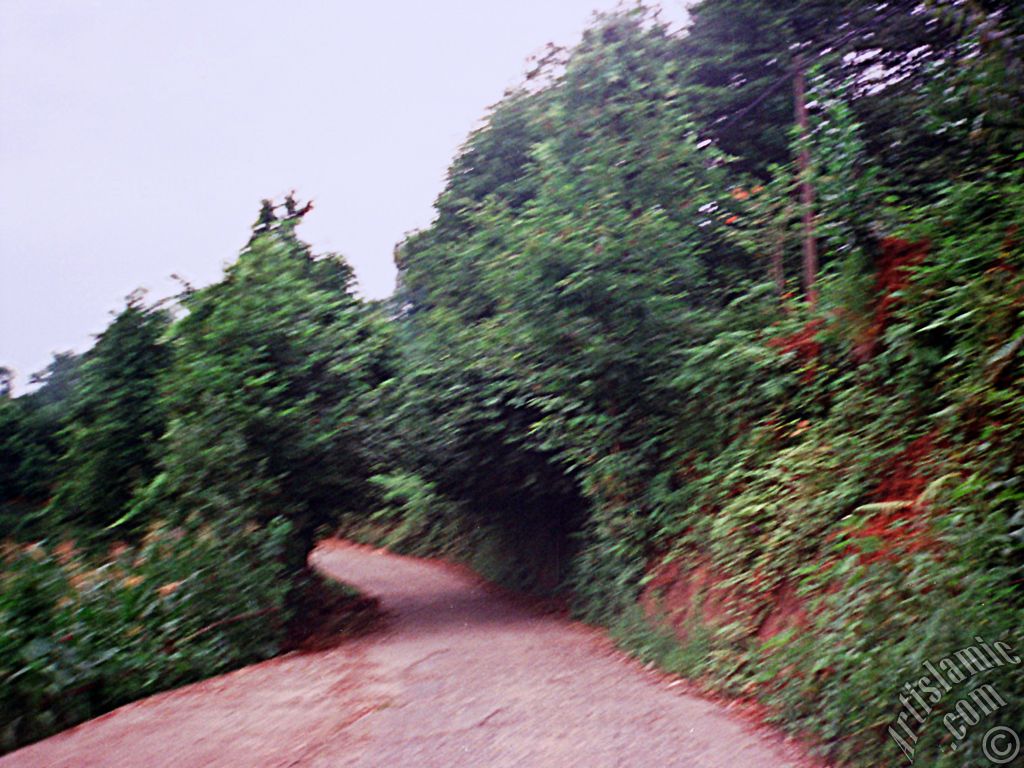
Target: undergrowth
{"type": "Point", "coordinates": [80, 636]}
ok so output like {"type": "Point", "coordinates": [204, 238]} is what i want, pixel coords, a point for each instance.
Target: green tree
{"type": "Point", "coordinates": [264, 396]}
{"type": "Point", "coordinates": [537, 330]}
{"type": "Point", "coordinates": [31, 444]}
{"type": "Point", "coordinates": [115, 418]}
{"type": "Point", "coordinates": [895, 60]}
{"type": "Point", "coordinates": [590, 342]}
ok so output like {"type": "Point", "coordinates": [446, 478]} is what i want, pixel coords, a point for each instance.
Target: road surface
{"type": "Point", "coordinates": [458, 675]}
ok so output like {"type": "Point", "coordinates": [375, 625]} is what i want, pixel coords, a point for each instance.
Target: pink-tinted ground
{"type": "Point", "coordinates": [458, 676]}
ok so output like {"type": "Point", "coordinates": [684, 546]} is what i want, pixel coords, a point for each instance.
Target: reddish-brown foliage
{"type": "Point", "coordinates": [904, 530]}
{"type": "Point", "coordinates": [674, 593]}
{"type": "Point", "coordinates": [892, 276]}
{"type": "Point", "coordinates": [805, 345]}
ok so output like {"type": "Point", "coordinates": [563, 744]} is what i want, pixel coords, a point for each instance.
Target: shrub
{"type": "Point", "coordinates": [78, 639]}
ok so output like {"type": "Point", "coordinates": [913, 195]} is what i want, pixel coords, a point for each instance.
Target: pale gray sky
{"type": "Point", "coordinates": [137, 138]}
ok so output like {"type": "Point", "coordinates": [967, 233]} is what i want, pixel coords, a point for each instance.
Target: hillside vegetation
{"type": "Point", "coordinates": [717, 332]}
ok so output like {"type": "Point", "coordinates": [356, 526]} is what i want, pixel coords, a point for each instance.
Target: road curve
{"type": "Point", "coordinates": [459, 676]}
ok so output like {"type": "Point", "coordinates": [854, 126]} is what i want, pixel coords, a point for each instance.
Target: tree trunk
{"type": "Point", "coordinates": [775, 271]}
{"type": "Point", "coordinates": [806, 187]}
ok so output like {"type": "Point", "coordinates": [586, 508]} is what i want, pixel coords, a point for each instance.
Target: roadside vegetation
{"type": "Point", "coordinates": [719, 333]}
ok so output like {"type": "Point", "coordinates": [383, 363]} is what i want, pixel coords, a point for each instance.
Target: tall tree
{"type": "Point", "coordinates": [115, 418]}
{"type": "Point", "coordinates": [30, 438]}
{"type": "Point", "coordinates": [891, 56]}
{"type": "Point", "coordinates": [264, 395]}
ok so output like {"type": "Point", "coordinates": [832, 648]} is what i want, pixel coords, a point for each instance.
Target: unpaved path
{"type": "Point", "coordinates": [459, 676]}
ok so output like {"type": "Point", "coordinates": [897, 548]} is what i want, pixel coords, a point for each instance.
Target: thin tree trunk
{"type": "Point", "coordinates": [806, 187]}
{"type": "Point", "coordinates": [775, 271]}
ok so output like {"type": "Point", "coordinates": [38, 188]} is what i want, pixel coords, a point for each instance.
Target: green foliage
{"type": "Point", "coordinates": [883, 623]}
{"type": "Point", "coordinates": [115, 418]}
{"type": "Point", "coordinates": [593, 343]}
{"type": "Point", "coordinates": [78, 639]}
{"type": "Point", "coordinates": [657, 644]}
{"type": "Point", "coordinates": [242, 423]}
{"type": "Point", "coordinates": [414, 518]}
{"type": "Point", "coordinates": [740, 56]}
{"type": "Point", "coordinates": [596, 364]}
{"type": "Point", "coordinates": [270, 365]}
{"type": "Point", "coordinates": [31, 445]}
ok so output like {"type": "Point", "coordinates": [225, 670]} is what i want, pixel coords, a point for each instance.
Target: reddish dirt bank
{"type": "Point", "coordinates": [458, 676]}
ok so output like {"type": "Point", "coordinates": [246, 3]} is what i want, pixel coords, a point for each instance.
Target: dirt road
{"type": "Point", "coordinates": [459, 676]}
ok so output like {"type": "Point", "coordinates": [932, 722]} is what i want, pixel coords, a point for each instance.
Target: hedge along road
{"type": "Point", "coordinates": [459, 675]}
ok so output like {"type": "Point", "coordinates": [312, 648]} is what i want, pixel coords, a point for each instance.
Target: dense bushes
{"type": "Point", "coordinates": [114, 419]}
{"type": "Point", "coordinates": [606, 359]}
{"type": "Point", "coordinates": [31, 445]}
{"type": "Point", "coordinates": [217, 440]}
{"type": "Point", "coordinates": [270, 367]}
{"type": "Point", "coordinates": [619, 317]}
{"type": "Point", "coordinates": [78, 638]}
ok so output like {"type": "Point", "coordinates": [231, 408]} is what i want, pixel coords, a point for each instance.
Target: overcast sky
{"type": "Point", "coordinates": [137, 138]}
